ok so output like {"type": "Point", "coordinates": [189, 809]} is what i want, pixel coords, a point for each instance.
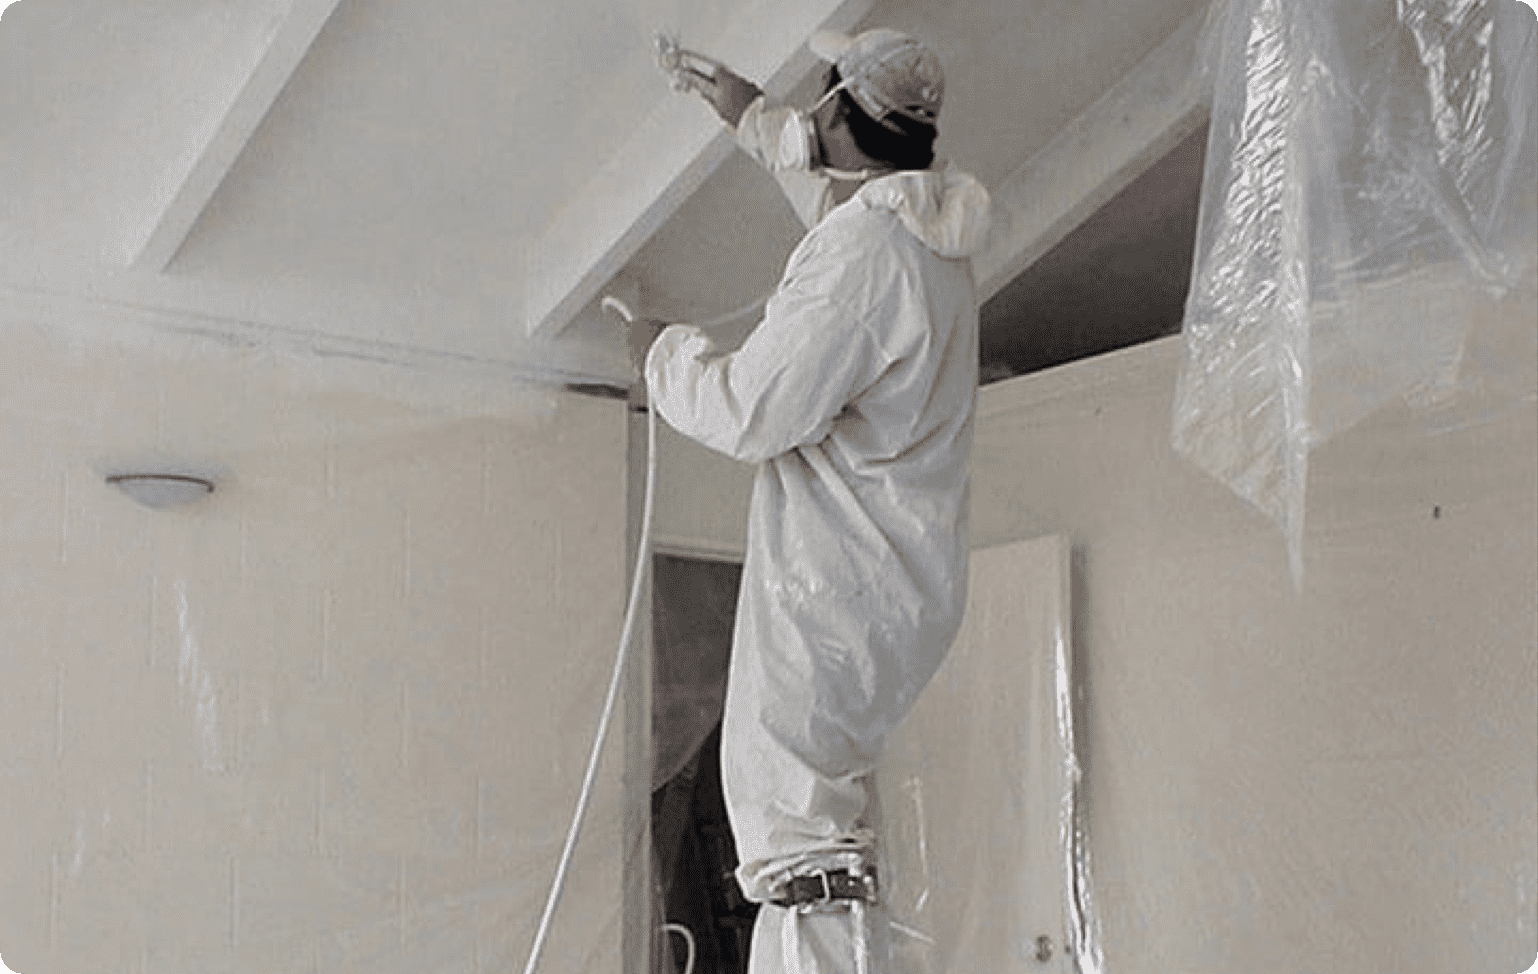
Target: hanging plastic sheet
{"type": "Point", "coordinates": [1370, 179]}
{"type": "Point", "coordinates": [984, 865]}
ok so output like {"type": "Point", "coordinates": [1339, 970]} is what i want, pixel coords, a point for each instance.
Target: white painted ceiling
{"type": "Point", "coordinates": [422, 155]}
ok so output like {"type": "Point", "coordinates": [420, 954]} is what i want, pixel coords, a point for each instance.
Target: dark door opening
{"type": "Point", "coordinates": [694, 604]}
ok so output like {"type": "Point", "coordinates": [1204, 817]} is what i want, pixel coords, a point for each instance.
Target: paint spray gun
{"type": "Point", "coordinates": [687, 71]}
{"type": "Point", "coordinates": [727, 93]}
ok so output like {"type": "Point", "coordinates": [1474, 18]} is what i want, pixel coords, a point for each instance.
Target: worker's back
{"type": "Point", "coordinates": [856, 395]}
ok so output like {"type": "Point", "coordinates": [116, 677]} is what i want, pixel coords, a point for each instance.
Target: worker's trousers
{"type": "Point", "coordinates": [801, 796]}
{"type": "Point", "coordinates": [787, 941]}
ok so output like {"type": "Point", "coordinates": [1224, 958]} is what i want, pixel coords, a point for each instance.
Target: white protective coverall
{"type": "Point", "coordinates": [855, 395]}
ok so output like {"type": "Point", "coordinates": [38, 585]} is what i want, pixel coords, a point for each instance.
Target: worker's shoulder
{"type": "Point", "coordinates": [869, 230]}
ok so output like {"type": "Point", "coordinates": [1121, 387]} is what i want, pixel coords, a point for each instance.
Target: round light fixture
{"type": "Point", "coordinates": [160, 490]}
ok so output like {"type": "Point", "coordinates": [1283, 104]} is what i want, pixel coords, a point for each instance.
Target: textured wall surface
{"type": "Point", "coordinates": [333, 717]}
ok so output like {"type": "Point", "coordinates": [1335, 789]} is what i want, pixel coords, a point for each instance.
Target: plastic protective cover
{"type": "Point", "coordinates": [1370, 177]}
{"type": "Point", "coordinates": [331, 718]}
{"type": "Point", "coordinates": [984, 864]}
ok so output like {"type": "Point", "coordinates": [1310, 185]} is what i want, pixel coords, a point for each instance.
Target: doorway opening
{"type": "Point", "coordinates": [694, 886]}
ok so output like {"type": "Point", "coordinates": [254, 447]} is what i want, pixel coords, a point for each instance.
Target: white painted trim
{"type": "Point", "coordinates": [154, 313]}
{"type": "Point", "coordinates": [1157, 360]}
{"type": "Point", "coordinates": [671, 154]}
{"type": "Point", "coordinates": [289, 44]}
{"type": "Point", "coordinates": [696, 549]}
{"type": "Point", "coordinates": [1129, 128]}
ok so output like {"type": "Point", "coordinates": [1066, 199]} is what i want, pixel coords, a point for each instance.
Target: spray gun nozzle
{"type": "Point", "coordinates": [686, 69]}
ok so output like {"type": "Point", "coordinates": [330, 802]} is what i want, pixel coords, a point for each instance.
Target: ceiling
{"type": "Point", "coordinates": [413, 175]}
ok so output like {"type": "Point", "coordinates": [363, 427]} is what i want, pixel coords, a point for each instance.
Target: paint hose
{"type": "Point", "coordinates": [614, 304]}
{"type": "Point", "coordinates": [622, 657]}
{"type": "Point", "coordinates": [627, 637]}
{"type": "Point", "coordinates": [688, 936]}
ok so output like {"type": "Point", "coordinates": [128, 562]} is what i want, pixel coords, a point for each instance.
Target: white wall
{"type": "Point", "coordinates": [1340, 780]}
{"type": "Point", "coordinates": [334, 717]}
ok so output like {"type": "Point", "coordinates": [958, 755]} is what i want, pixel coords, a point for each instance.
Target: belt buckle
{"type": "Point", "coordinates": [827, 888]}
{"type": "Point", "coordinates": [823, 903]}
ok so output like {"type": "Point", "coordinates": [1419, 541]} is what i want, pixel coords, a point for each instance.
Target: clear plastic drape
{"type": "Point", "coordinates": [1370, 178]}
{"type": "Point", "coordinates": [332, 717]}
{"type": "Point", "coordinates": [984, 861]}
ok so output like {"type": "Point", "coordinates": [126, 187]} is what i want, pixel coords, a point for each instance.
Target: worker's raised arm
{"type": "Point", "coordinates": [728, 92]}
{"type": "Point", "coordinates": [761, 134]}
{"type": "Point", "coordinates": [761, 131]}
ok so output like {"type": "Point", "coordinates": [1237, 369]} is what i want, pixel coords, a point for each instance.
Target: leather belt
{"type": "Point", "coordinates": [826, 886]}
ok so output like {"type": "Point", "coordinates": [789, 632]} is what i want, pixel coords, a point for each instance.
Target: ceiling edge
{"type": "Point", "coordinates": [669, 157]}
{"type": "Point", "coordinates": [177, 215]}
{"type": "Point", "coordinates": [1129, 128]}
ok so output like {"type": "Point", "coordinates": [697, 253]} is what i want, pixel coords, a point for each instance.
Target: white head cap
{"type": "Point", "coordinates": [886, 73]}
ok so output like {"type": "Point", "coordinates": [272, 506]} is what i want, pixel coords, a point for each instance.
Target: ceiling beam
{"type": "Point", "coordinates": [674, 150]}
{"type": "Point", "coordinates": [1129, 128]}
{"type": "Point", "coordinates": [179, 213]}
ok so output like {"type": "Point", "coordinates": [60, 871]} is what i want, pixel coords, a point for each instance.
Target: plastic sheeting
{"type": "Point", "coordinates": [984, 866]}
{"type": "Point", "coordinates": [1370, 177]}
{"type": "Point", "coordinates": [331, 718]}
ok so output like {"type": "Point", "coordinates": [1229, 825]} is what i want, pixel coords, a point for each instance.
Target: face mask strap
{"type": "Point", "coordinates": [826, 95]}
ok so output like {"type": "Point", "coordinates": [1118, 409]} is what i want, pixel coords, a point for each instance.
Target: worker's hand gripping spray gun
{"type": "Point", "coordinates": [724, 90]}
{"type": "Point", "coordinates": [640, 333]}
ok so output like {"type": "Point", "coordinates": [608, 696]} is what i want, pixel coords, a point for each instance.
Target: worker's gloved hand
{"type": "Point", "coordinates": [729, 93]}
{"type": "Point", "coordinates": [640, 334]}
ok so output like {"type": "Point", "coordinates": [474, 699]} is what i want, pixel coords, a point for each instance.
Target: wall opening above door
{"type": "Point", "coordinates": [1117, 279]}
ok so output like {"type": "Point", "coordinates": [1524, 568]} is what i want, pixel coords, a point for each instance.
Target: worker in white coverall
{"type": "Point", "coordinates": [855, 396]}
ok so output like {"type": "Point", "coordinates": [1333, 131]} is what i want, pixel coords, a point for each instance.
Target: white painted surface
{"type": "Point", "coordinates": [103, 100]}
{"type": "Point", "coordinates": [1143, 116]}
{"type": "Point", "coordinates": [702, 498]}
{"type": "Point", "coordinates": [421, 155]}
{"type": "Point", "coordinates": [290, 42]}
{"type": "Point", "coordinates": [332, 718]}
{"type": "Point", "coordinates": [1344, 780]}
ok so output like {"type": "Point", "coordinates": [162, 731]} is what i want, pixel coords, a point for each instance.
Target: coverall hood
{"type": "Point", "coordinates": [948, 210]}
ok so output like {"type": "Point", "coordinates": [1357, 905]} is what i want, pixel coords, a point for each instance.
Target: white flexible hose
{"type": "Point", "coordinates": [615, 304]}
{"type": "Point", "coordinates": [688, 940]}
{"type": "Point", "coordinates": [627, 635]}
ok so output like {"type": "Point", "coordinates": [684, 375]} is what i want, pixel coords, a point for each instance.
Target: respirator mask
{"type": "Point", "coordinates": [798, 141]}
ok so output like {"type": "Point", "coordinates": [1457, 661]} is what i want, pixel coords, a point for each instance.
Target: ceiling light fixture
{"type": "Point", "coordinates": [162, 490]}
